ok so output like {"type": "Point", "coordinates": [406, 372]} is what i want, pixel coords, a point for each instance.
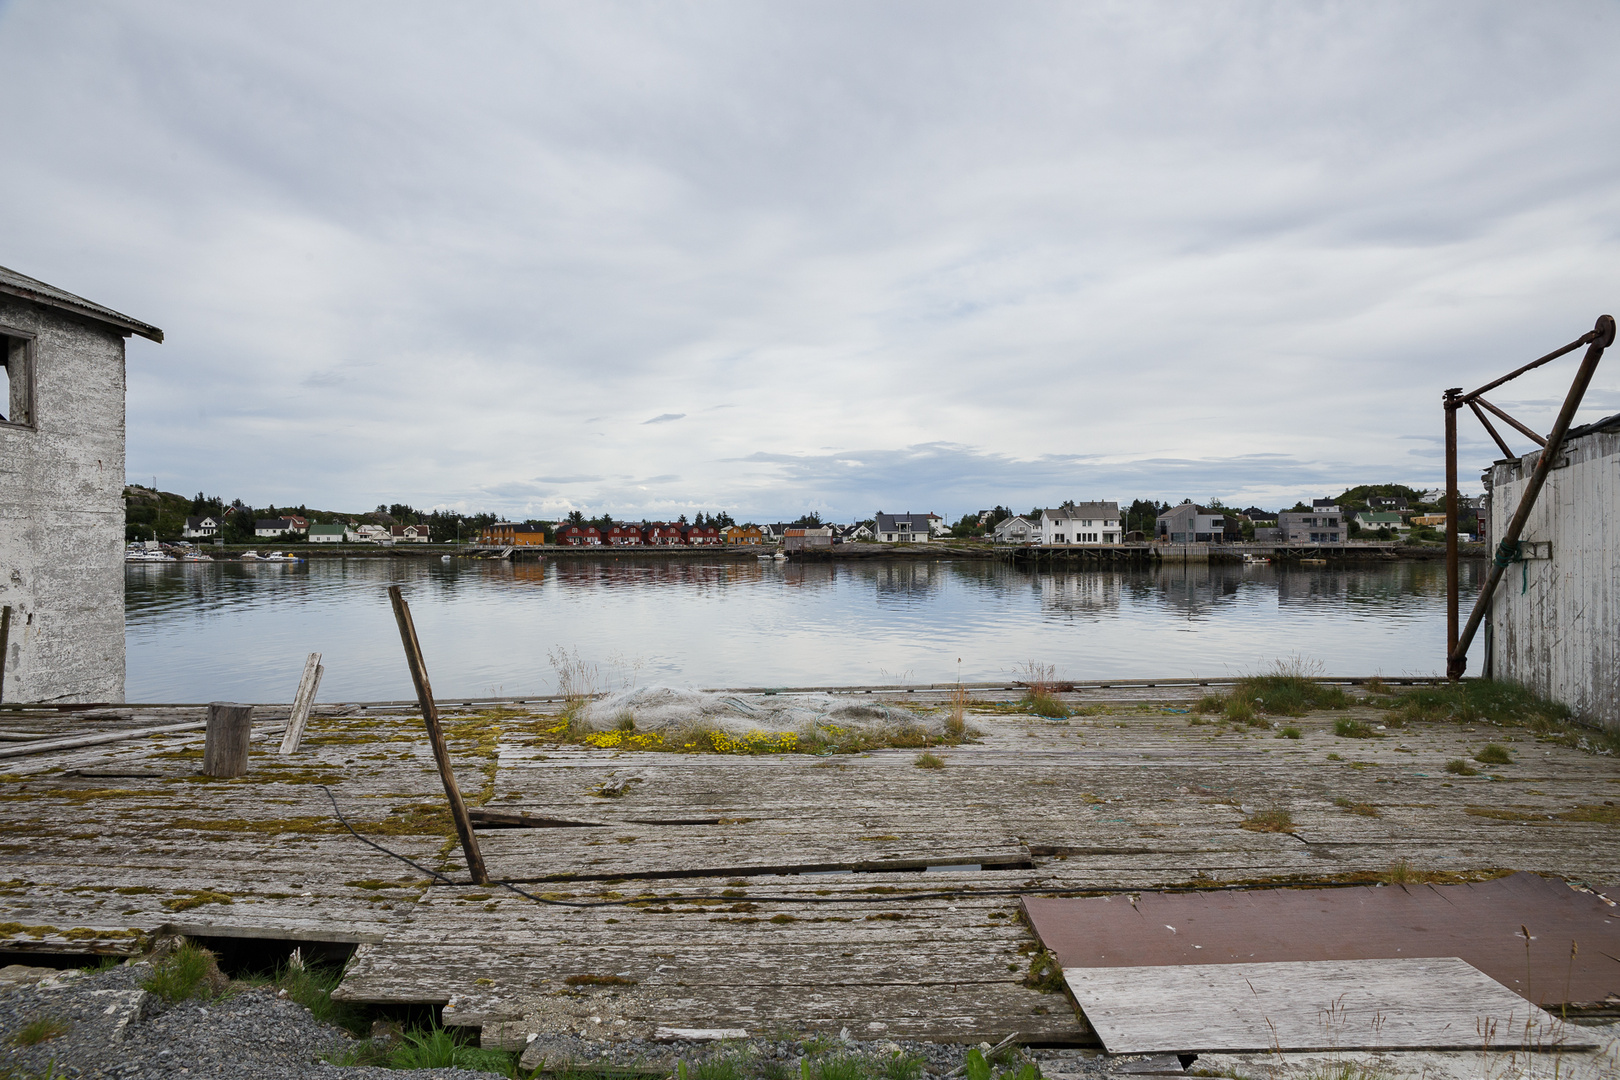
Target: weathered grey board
{"type": "Point", "coordinates": [1418, 1004]}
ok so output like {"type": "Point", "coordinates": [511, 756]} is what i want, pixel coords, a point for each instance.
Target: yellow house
{"type": "Point", "coordinates": [1432, 520]}
{"type": "Point", "coordinates": [744, 534]}
{"type": "Point", "coordinates": [511, 533]}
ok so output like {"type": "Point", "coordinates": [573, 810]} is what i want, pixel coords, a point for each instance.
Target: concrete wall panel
{"type": "Point", "coordinates": [62, 514]}
{"type": "Point", "coordinates": [1555, 623]}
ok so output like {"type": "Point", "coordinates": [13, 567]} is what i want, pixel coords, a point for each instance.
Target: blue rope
{"type": "Point", "coordinates": [1508, 553]}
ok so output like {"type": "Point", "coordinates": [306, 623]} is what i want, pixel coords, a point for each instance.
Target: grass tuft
{"type": "Point", "coordinates": [926, 760]}
{"type": "Point", "coordinates": [1276, 820]}
{"type": "Point", "coordinates": [1402, 872]}
{"type": "Point", "coordinates": [1289, 732]}
{"type": "Point", "coordinates": [1353, 729]}
{"type": "Point", "coordinates": [189, 971]}
{"type": "Point", "coordinates": [311, 986]}
{"type": "Point", "coordinates": [1459, 767]}
{"type": "Point", "coordinates": [436, 1048]}
{"type": "Point", "coordinates": [41, 1029]}
{"type": "Point", "coordinates": [1494, 754]}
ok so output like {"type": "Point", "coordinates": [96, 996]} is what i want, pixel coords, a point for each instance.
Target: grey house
{"type": "Point", "coordinates": [1317, 527]}
{"type": "Point", "coordinates": [62, 492]}
{"type": "Point", "coordinates": [1190, 523]}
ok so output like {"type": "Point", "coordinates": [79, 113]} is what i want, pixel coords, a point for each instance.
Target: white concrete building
{"type": "Point", "coordinates": [62, 492]}
{"type": "Point", "coordinates": [1553, 619]}
{"type": "Point", "coordinates": [1081, 523]}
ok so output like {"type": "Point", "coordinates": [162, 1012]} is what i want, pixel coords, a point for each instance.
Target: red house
{"type": "Point", "coordinates": [624, 536]}
{"type": "Point", "coordinates": [580, 536]}
{"type": "Point", "coordinates": [665, 535]}
{"type": "Point", "coordinates": [703, 535]}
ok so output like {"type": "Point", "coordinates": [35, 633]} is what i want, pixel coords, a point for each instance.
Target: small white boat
{"type": "Point", "coordinates": [278, 556]}
{"type": "Point", "coordinates": [196, 556]}
{"type": "Point", "coordinates": [444, 558]}
{"type": "Point", "coordinates": [1256, 560]}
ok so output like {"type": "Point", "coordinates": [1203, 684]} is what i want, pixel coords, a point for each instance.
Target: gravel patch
{"type": "Point", "coordinates": [113, 1029]}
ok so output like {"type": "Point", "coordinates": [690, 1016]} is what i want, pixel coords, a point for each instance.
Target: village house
{"type": "Point", "coordinates": [61, 462]}
{"type": "Point", "coordinates": [1319, 526]}
{"type": "Point", "coordinates": [367, 534]}
{"type": "Point", "coordinates": [1015, 530]}
{"type": "Point", "coordinates": [802, 538]}
{"type": "Point", "coordinates": [409, 534]}
{"type": "Point", "coordinates": [1190, 523]}
{"type": "Point", "coordinates": [1081, 523]}
{"type": "Point", "coordinates": [1373, 520]}
{"type": "Point", "coordinates": [663, 534]}
{"type": "Point", "coordinates": [857, 531]}
{"type": "Point", "coordinates": [623, 535]}
{"type": "Point", "coordinates": [509, 534]}
{"type": "Point", "coordinates": [282, 526]}
{"type": "Point", "coordinates": [937, 526]}
{"type": "Point", "coordinates": [326, 532]}
{"type": "Point", "coordinates": [703, 536]}
{"type": "Point", "coordinates": [200, 528]}
{"type": "Point", "coordinates": [745, 534]}
{"type": "Point", "coordinates": [1386, 503]}
{"type": "Point", "coordinates": [903, 528]}
{"type": "Point", "coordinates": [580, 536]}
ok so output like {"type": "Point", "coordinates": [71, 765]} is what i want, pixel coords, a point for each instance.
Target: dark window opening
{"type": "Point", "coordinates": [16, 379]}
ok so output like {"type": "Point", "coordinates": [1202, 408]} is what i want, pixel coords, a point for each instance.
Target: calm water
{"type": "Point", "coordinates": [201, 632]}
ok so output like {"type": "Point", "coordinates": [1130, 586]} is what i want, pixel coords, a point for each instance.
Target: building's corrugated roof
{"type": "Point", "coordinates": [32, 289]}
{"type": "Point", "coordinates": [1608, 423]}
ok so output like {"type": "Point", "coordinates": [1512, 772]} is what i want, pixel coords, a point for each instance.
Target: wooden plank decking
{"type": "Point", "coordinates": [103, 845]}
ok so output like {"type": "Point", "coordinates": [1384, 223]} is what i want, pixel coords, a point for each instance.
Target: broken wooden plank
{"type": "Point", "coordinates": [302, 701]}
{"type": "Point", "coordinates": [1433, 1003]}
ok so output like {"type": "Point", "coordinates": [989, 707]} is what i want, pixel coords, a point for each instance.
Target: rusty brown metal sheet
{"type": "Point", "coordinates": [1481, 923]}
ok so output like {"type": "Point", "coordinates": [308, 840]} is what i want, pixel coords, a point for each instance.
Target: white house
{"type": "Point", "coordinates": [937, 526]}
{"type": "Point", "coordinates": [200, 528]}
{"type": "Point", "coordinates": [410, 534]}
{"type": "Point", "coordinates": [904, 528]}
{"type": "Point", "coordinates": [326, 533]}
{"type": "Point", "coordinates": [367, 534]}
{"type": "Point", "coordinates": [1015, 530]}
{"type": "Point", "coordinates": [1081, 523]}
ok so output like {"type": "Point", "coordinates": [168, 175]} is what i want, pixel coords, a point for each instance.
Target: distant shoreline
{"type": "Point", "coordinates": [931, 551]}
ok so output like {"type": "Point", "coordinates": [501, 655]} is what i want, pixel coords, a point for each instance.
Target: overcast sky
{"type": "Point", "coordinates": [775, 257]}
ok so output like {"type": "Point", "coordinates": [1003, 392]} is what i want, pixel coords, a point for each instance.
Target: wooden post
{"type": "Point", "coordinates": [302, 701]}
{"type": "Point", "coordinates": [1452, 580]}
{"type": "Point", "coordinates": [441, 752]}
{"type": "Point", "coordinates": [225, 746]}
{"type": "Point", "coordinates": [5, 638]}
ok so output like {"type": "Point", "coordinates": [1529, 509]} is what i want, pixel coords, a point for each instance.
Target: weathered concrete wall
{"type": "Point", "coordinates": [62, 514]}
{"type": "Point", "coordinates": [1555, 623]}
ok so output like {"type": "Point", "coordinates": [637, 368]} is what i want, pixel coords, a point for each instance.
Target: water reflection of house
{"type": "Point", "coordinates": [1088, 594]}
{"type": "Point", "coordinates": [745, 534]}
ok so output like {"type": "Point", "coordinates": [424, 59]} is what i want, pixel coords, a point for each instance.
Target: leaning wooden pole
{"type": "Point", "coordinates": [1457, 660]}
{"type": "Point", "coordinates": [441, 752]}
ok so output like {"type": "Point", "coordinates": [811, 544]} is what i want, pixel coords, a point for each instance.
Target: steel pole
{"type": "Point", "coordinates": [1452, 399]}
{"type": "Point", "coordinates": [1457, 660]}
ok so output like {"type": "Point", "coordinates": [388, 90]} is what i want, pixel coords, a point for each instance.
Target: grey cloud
{"type": "Point", "coordinates": [975, 254]}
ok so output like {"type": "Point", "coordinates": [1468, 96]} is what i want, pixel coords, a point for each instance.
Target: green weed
{"type": "Point", "coordinates": [842, 1067]}
{"type": "Point", "coordinates": [1493, 754]}
{"type": "Point", "coordinates": [436, 1048]}
{"type": "Point", "coordinates": [718, 1068]}
{"type": "Point", "coordinates": [40, 1029]}
{"type": "Point", "coordinates": [311, 985]}
{"type": "Point", "coordinates": [1289, 732]}
{"type": "Point", "coordinates": [898, 1066]}
{"type": "Point", "coordinates": [926, 760]}
{"type": "Point", "coordinates": [1459, 767]}
{"type": "Point", "coordinates": [1353, 729]}
{"type": "Point", "coordinates": [189, 971]}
